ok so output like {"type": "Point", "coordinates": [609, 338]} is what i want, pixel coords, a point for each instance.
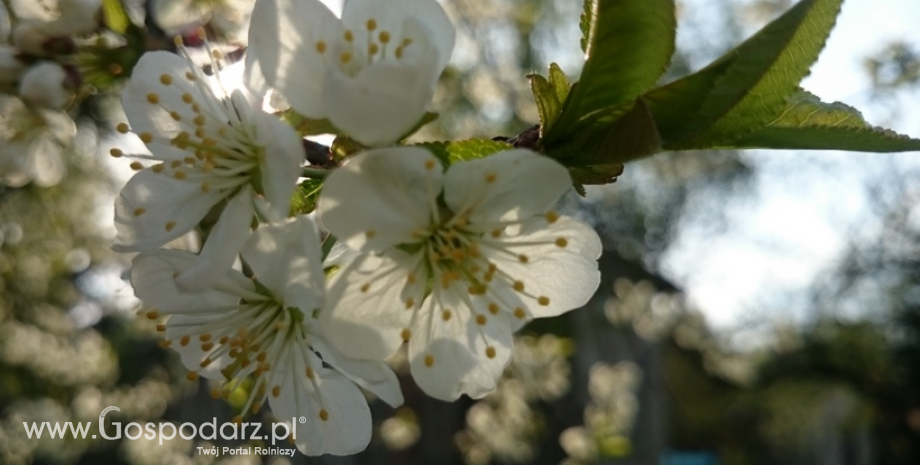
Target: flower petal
{"type": "Point", "coordinates": [154, 209]}
{"type": "Point", "coordinates": [507, 186]}
{"type": "Point", "coordinates": [390, 16]}
{"type": "Point", "coordinates": [281, 165]}
{"type": "Point", "coordinates": [560, 273]}
{"type": "Point", "coordinates": [380, 105]}
{"type": "Point", "coordinates": [381, 197]}
{"type": "Point", "coordinates": [338, 420]}
{"type": "Point", "coordinates": [366, 316]}
{"type": "Point", "coordinates": [153, 279]}
{"type": "Point", "coordinates": [375, 376]}
{"type": "Point", "coordinates": [185, 328]}
{"type": "Point", "coordinates": [222, 246]}
{"type": "Point", "coordinates": [287, 259]}
{"type": "Point", "coordinates": [451, 353]}
{"type": "Point", "coordinates": [153, 102]}
{"type": "Point", "coordinates": [283, 38]}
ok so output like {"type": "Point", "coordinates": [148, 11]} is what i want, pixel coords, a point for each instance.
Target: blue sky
{"type": "Point", "coordinates": [806, 202]}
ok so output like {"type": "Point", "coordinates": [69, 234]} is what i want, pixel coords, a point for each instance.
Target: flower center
{"type": "Point", "coordinates": [353, 57]}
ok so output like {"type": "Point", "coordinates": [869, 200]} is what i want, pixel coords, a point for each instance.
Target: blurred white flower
{"type": "Point", "coordinates": [372, 73]}
{"type": "Point", "coordinates": [451, 262]}
{"type": "Point", "coordinates": [32, 142]}
{"type": "Point", "coordinates": [40, 21]}
{"type": "Point", "coordinates": [228, 18]}
{"type": "Point", "coordinates": [211, 148]}
{"type": "Point", "coordinates": [46, 85]}
{"type": "Point", "coordinates": [265, 327]}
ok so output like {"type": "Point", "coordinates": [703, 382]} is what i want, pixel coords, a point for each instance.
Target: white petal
{"type": "Point", "coordinates": [375, 376]}
{"type": "Point", "coordinates": [281, 165]}
{"type": "Point", "coordinates": [347, 427]}
{"type": "Point", "coordinates": [390, 16]}
{"type": "Point", "coordinates": [154, 209]}
{"type": "Point", "coordinates": [157, 118]}
{"type": "Point", "coordinates": [153, 279]}
{"type": "Point", "coordinates": [507, 186]}
{"type": "Point", "coordinates": [368, 322]}
{"type": "Point", "coordinates": [379, 105]}
{"type": "Point", "coordinates": [223, 244]}
{"type": "Point", "coordinates": [381, 197]}
{"type": "Point", "coordinates": [283, 38]}
{"type": "Point", "coordinates": [566, 275]}
{"type": "Point", "coordinates": [192, 354]}
{"type": "Point", "coordinates": [449, 356]}
{"type": "Point", "coordinates": [287, 259]}
{"type": "Point", "coordinates": [174, 15]}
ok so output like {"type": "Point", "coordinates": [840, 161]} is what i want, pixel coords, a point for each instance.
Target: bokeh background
{"type": "Point", "coordinates": [755, 308]}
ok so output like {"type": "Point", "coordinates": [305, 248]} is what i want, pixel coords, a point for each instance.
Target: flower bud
{"type": "Point", "coordinates": [47, 85]}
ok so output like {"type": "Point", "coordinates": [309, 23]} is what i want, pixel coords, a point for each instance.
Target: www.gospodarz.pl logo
{"type": "Point", "coordinates": [210, 431]}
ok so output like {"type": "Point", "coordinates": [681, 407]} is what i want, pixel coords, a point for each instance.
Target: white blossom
{"type": "Point", "coordinates": [451, 262]}
{"type": "Point", "coordinates": [32, 142]}
{"type": "Point", "coordinates": [229, 17]}
{"type": "Point", "coordinates": [265, 328]}
{"type": "Point", "coordinates": [212, 149]}
{"type": "Point", "coordinates": [45, 85]}
{"type": "Point", "coordinates": [372, 73]}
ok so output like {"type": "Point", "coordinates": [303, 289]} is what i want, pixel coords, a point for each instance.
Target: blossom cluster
{"type": "Point", "coordinates": [37, 83]}
{"type": "Point", "coordinates": [449, 259]}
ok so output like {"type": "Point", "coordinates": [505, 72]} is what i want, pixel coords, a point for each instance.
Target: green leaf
{"type": "Point", "coordinates": [549, 95]}
{"type": "Point", "coordinates": [748, 86]}
{"type": "Point", "coordinates": [114, 15]}
{"type": "Point", "coordinates": [809, 123]}
{"type": "Point", "coordinates": [616, 138]}
{"type": "Point", "coordinates": [307, 126]}
{"type": "Point", "coordinates": [584, 23]}
{"type": "Point", "coordinates": [451, 152]}
{"type": "Point", "coordinates": [629, 44]}
{"type": "Point", "coordinates": [304, 199]}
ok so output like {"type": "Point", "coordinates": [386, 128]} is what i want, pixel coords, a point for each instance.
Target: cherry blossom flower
{"type": "Point", "coordinates": [32, 142]}
{"type": "Point", "coordinates": [265, 327]}
{"type": "Point", "coordinates": [452, 262]}
{"type": "Point", "coordinates": [212, 149]}
{"type": "Point", "coordinates": [371, 74]}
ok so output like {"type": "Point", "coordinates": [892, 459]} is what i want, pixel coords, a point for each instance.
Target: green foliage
{"type": "Point", "coordinates": [307, 126]}
{"type": "Point", "coordinates": [748, 86]}
{"type": "Point", "coordinates": [809, 123]}
{"type": "Point", "coordinates": [550, 94]}
{"type": "Point", "coordinates": [451, 152]}
{"type": "Point", "coordinates": [629, 44]}
{"type": "Point", "coordinates": [304, 199]}
{"type": "Point", "coordinates": [748, 98]}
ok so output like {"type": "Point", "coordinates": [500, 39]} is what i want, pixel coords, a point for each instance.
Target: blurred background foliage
{"type": "Point", "coordinates": [636, 377]}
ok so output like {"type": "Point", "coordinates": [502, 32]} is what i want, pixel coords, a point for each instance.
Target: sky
{"type": "Point", "coordinates": [798, 225]}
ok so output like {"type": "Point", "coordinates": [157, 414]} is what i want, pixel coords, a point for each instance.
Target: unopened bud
{"type": "Point", "coordinates": [46, 85]}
